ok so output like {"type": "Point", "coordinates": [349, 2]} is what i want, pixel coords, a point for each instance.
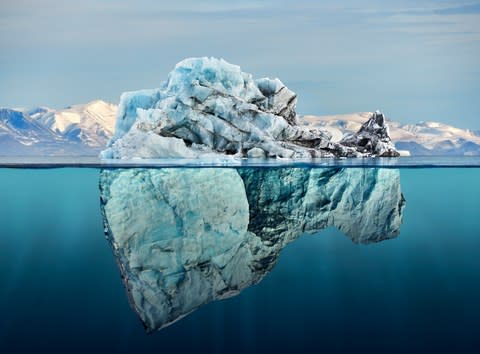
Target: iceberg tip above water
{"type": "Point", "coordinates": [209, 107]}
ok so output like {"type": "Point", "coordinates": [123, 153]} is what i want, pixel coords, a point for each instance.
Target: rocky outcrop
{"type": "Point", "coordinates": [372, 138]}
{"type": "Point", "coordinates": [186, 237]}
{"type": "Point", "coordinates": [418, 139]}
{"type": "Point", "coordinates": [209, 107]}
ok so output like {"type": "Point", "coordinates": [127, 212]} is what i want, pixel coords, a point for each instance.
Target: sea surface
{"type": "Point", "coordinates": [343, 287]}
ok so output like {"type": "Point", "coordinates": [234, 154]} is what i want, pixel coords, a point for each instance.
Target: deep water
{"type": "Point", "coordinates": [61, 291]}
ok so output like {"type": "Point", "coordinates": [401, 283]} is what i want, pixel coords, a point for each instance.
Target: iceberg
{"type": "Point", "coordinates": [186, 237]}
{"type": "Point", "coordinates": [209, 107]}
{"type": "Point", "coordinates": [373, 137]}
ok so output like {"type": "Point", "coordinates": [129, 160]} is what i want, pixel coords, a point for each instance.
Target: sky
{"type": "Point", "coordinates": [416, 60]}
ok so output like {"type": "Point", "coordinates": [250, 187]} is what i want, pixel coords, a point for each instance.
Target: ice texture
{"type": "Point", "coordinates": [209, 107]}
{"type": "Point", "coordinates": [373, 137]}
{"type": "Point", "coordinates": [186, 237]}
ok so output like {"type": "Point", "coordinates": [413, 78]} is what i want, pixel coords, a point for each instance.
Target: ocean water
{"type": "Point", "coordinates": [414, 290]}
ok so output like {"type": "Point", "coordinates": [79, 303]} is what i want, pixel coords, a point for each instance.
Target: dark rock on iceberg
{"type": "Point", "coordinates": [372, 138]}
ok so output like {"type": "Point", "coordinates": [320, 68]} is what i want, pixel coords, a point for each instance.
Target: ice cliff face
{"type": "Point", "coordinates": [186, 237]}
{"type": "Point", "coordinates": [209, 107]}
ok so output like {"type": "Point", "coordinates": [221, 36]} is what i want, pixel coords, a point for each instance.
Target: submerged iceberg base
{"type": "Point", "coordinates": [186, 237]}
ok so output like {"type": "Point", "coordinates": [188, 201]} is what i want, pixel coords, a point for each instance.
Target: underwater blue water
{"type": "Point", "coordinates": [60, 288]}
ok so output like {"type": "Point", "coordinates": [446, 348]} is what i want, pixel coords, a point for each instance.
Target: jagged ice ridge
{"type": "Point", "coordinates": [208, 107]}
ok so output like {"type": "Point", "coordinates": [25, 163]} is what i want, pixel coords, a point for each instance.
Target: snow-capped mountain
{"type": "Point", "coordinates": [20, 135]}
{"type": "Point", "coordinates": [84, 129]}
{"type": "Point", "coordinates": [77, 130]}
{"type": "Point", "coordinates": [423, 138]}
{"type": "Point", "coordinates": [91, 124]}
{"type": "Point", "coordinates": [18, 126]}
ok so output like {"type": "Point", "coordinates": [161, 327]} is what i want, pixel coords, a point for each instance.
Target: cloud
{"type": "Point", "coordinates": [330, 50]}
{"type": "Point", "coordinates": [459, 10]}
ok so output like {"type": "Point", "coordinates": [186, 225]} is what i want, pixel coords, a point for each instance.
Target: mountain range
{"type": "Point", "coordinates": [420, 139]}
{"type": "Point", "coordinates": [82, 129]}
{"type": "Point", "coordinates": [85, 129]}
